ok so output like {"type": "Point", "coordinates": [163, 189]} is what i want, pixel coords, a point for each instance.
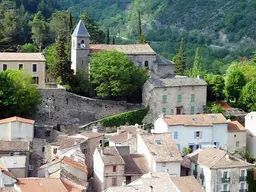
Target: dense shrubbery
{"type": "Point", "coordinates": [131, 117]}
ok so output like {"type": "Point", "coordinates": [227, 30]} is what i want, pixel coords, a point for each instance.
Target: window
{"type": "Point", "coordinates": [242, 174]}
{"type": "Point", "coordinates": [192, 110]}
{"type": "Point", "coordinates": [4, 67]}
{"type": "Point", "coordinates": [114, 182]}
{"type": "Point", "coordinates": [84, 151]}
{"type": "Point", "coordinates": [114, 168]}
{"type": "Point", "coordinates": [30, 167]}
{"type": "Point", "coordinates": [11, 154]}
{"type": "Point", "coordinates": [225, 187]}
{"type": "Point", "coordinates": [82, 42]}
{"type": "Point", "coordinates": [43, 149]}
{"type": "Point", "coordinates": [35, 80]}
{"type": "Point", "coordinates": [242, 186]}
{"type": "Point", "coordinates": [100, 142]}
{"type": "Point", "coordinates": [178, 145]}
{"type": "Point", "coordinates": [55, 150]}
{"type": "Point", "coordinates": [164, 99]}
{"type": "Point", "coordinates": [175, 135]}
{"type": "Point", "coordinates": [237, 143]}
{"type": "Point", "coordinates": [146, 64]}
{"type": "Point", "coordinates": [225, 174]}
{"type": "Point", "coordinates": [82, 62]}
{"type": "Point", "coordinates": [34, 67]}
{"type": "Point", "coordinates": [179, 98]}
{"type": "Point", "coordinates": [164, 164]}
{"type": "Point", "coordinates": [198, 134]}
{"type": "Point", "coordinates": [193, 98]}
{"type": "Point", "coordinates": [178, 111]}
{"type": "Point", "coordinates": [159, 142]}
{"type": "Point", "coordinates": [20, 66]}
{"type": "Point", "coordinates": [128, 179]}
{"type": "Point", "coordinates": [164, 111]}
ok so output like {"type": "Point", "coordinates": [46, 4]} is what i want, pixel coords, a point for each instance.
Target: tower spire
{"type": "Point", "coordinates": [80, 30]}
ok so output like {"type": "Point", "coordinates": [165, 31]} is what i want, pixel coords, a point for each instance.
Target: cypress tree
{"type": "Point", "coordinates": [70, 27]}
{"type": "Point", "coordinates": [113, 40]}
{"type": "Point", "coordinates": [197, 67]}
{"type": "Point", "coordinates": [141, 36]}
{"type": "Point", "coordinates": [180, 60]}
{"type": "Point", "coordinates": [107, 38]}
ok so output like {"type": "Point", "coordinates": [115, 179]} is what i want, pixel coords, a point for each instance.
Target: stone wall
{"type": "Point", "coordinates": [62, 107]}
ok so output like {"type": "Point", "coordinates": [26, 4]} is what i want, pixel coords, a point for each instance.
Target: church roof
{"type": "Point", "coordinates": [80, 30]}
{"type": "Point", "coordinates": [130, 49]}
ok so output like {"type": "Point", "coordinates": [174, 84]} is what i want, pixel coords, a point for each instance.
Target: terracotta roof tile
{"type": "Point", "coordinates": [11, 119]}
{"type": "Point", "coordinates": [75, 164]}
{"type": "Point", "coordinates": [187, 184]}
{"type": "Point", "coordinates": [41, 185]}
{"type": "Point", "coordinates": [14, 146]}
{"type": "Point", "coordinates": [136, 164]}
{"type": "Point", "coordinates": [162, 147]}
{"type": "Point", "coordinates": [195, 120]}
{"type": "Point", "coordinates": [65, 141]}
{"type": "Point", "coordinates": [111, 156]}
{"type": "Point", "coordinates": [133, 49]}
{"type": "Point", "coordinates": [7, 189]}
{"type": "Point", "coordinates": [90, 134]}
{"type": "Point", "coordinates": [36, 57]}
{"type": "Point", "coordinates": [235, 126]}
{"type": "Point", "coordinates": [73, 187]}
{"type": "Point", "coordinates": [224, 105]}
{"type": "Point", "coordinates": [125, 133]}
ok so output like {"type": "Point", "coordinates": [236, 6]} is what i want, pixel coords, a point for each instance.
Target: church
{"type": "Point", "coordinates": [165, 92]}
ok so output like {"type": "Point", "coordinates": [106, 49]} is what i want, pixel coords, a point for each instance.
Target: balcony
{"type": "Point", "coordinates": [242, 190]}
{"type": "Point", "coordinates": [225, 179]}
{"type": "Point", "coordinates": [242, 178]}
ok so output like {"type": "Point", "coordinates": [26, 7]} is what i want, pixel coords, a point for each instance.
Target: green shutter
{"type": "Point", "coordinates": [192, 110]}
{"type": "Point", "coordinates": [193, 98]}
{"type": "Point", "coordinates": [164, 99]}
{"type": "Point", "coordinates": [164, 111]}
{"type": "Point", "coordinates": [179, 98]}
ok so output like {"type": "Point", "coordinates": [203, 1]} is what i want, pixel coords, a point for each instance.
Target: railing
{"type": "Point", "coordinates": [242, 178]}
{"type": "Point", "coordinates": [225, 179]}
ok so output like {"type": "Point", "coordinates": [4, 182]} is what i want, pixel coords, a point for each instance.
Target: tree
{"type": "Point", "coordinates": [234, 84]}
{"type": "Point", "coordinates": [214, 108]}
{"type": "Point", "coordinates": [39, 29]}
{"type": "Point", "coordinates": [18, 96]}
{"type": "Point", "coordinates": [180, 60]}
{"type": "Point", "coordinates": [197, 67]}
{"type": "Point", "coordinates": [97, 35]}
{"type": "Point", "coordinates": [113, 74]}
{"type": "Point", "coordinates": [107, 37]}
{"type": "Point", "coordinates": [250, 180]}
{"type": "Point", "coordinates": [186, 151]}
{"type": "Point", "coordinates": [141, 36]}
{"type": "Point", "coordinates": [60, 22]}
{"type": "Point", "coordinates": [113, 41]}
{"type": "Point", "coordinates": [248, 96]}
{"type": "Point", "coordinates": [80, 82]}
{"type": "Point", "coordinates": [215, 87]}
{"type": "Point", "coordinates": [28, 47]}
{"type": "Point", "coordinates": [244, 154]}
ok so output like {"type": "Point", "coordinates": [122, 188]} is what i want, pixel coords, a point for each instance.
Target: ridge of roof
{"type": "Point", "coordinates": [15, 118]}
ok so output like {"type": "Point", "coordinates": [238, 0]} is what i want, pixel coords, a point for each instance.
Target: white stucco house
{"type": "Point", "coordinates": [161, 152]}
{"type": "Point", "coordinates": [6, 178]}
{"type": "Point", "coordinates": [17, 128]}
{"type": "Point", "coordinates": [195, 131]}
{"type": "Point", "coordinates": [216, 170]}
{"type": "Point", "coordinates": [250, 126]}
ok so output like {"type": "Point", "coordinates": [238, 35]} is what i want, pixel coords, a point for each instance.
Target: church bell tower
{"type": "Point", "coordinates": [80, 47]}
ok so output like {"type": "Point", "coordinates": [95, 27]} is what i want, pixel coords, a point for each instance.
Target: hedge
{"type": "Point", "coordinates": [131, 117]}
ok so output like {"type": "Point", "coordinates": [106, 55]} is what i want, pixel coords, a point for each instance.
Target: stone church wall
{"type": "Point", "coordinates": [62, 107]}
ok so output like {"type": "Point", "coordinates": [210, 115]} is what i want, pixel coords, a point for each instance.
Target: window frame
{"type": "Point", "coordinates": [164, 99]}
{"type": "Point", "coordinates": [192, 110]}
{"type": "Point", "coordinates": [4, 64]}
{"type": "Point", "coordinates": [192, 98]}
{"type": "Point", "coordinates": [114, 181]}
{"type": "Point", "coordinates": [35, 80]}
{"type": "Point", "coordinates": [179, 99]}
{"type": "Point", "coordinates": [20, 68]}
{"type": "Point", "coordinates": [34, 64]}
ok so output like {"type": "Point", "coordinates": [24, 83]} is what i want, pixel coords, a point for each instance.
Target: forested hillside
{"type": "Point", "coordinates": [224, 30]}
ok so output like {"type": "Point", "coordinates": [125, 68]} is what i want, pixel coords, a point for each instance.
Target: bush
{"type": "Point", "coordinates": [131, 117]}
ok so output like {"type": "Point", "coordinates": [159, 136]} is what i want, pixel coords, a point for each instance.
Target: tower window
{"type": "Point", "coordinates": [82, 42]}
{"type": "Point", "coordinates": [146, 64]}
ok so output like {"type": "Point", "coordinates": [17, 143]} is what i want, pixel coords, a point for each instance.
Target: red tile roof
{"type": "Point", "coordinates": [235, 126]}
{"type": "Point", "coordinates": [75, 164]}
{"type": "Point", "coordinates": [11, 119]}
{"type": "Point", "coordinates": [224, 105]}
{"type": "Point", "coordinates": [41, 185]}
{"type": "Point", "coordinates": [71, 186]}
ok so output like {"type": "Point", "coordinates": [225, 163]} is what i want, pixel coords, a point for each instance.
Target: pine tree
{"type": "Point", "coordinates": [107, 37]}
{"type": "Point", "coordinates": [70, 27]}
{"type": "Point", "coordinates": [180, 60]}
{"type": "Point", "coordinates": [197, 67]}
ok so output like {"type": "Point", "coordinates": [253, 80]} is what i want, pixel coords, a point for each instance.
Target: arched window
{"type": "Point", "coordinates": [146, 64]}
{"type": "Point", "coordinates": [82, 42]}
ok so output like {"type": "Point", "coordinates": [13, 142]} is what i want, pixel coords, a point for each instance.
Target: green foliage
{"type": "Point", "coordinates": [186, 151]}
{"type": "Point", "coordinates": [107, 37]}
{"type": "Point", "coordinates": [250, 180]}
{"type": "Point", "coordinates": [113, 74]}
{"type": "Point", "coordinates": [248, 96]}
{"type": "Point", "coordinates": [18, 97]}
{"type": "Point", "coordinates": [234, 84]}
{"type": "Point", "coordinates": [215, 87]}
{"type": "Point", "coordinates": [50, 56]}
{"type": "Point", "coordinates": [197, 67]}
{"type": "Point", "coordinates": [213, 108]}
{"type": "Point", "coordinates": [28, 47]}
{"type": "Point", "coordinates": [180, 60]}
{"type": "Point", "coordinates": [244, 154]}
{"type": "Point", "coordinates": [80, 82]}
{"type": "Point", "coordinates": [131, 117]}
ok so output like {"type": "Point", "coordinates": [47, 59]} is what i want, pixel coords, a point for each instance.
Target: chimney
{"type": "Point", "coordinates": [129, 135]}
{"type": "Point", "coordinates": [151, 188]}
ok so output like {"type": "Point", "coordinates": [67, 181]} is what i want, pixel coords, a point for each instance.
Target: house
{"type": "Point", "coordinates": [6, 178]}
{"type": "Point", "coordinates": [17, 165]}
{"type": "Point", "coordinates": [174, 96]}
{"type": "Point", "coordinates": [250, 123]}
{"type": "Point", "coordinates": [11, 148]}
{"type": "Point", "coordinates": [161, 152]}
{"type": "Point", "coordinates": [108, 168]}
{"type": "Point", "coordinates": [32, 63]}
{"type": "Point", "coordinates": [236, 136]}
{"type": "Point", "coordinates": [39, 185]}
{"type": "Point", "coordinates": [216, 170]}
{"type": "Point", "coordinates": [187, 184]}
{"type": "Point", "coordinates": [17, 128]}
{"type": "Point", "coordinates": [149, 182]}
{"type": "Point", "coordinates": [126, 136]}
{"type": "Point", "coordinates": [195, 131]}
